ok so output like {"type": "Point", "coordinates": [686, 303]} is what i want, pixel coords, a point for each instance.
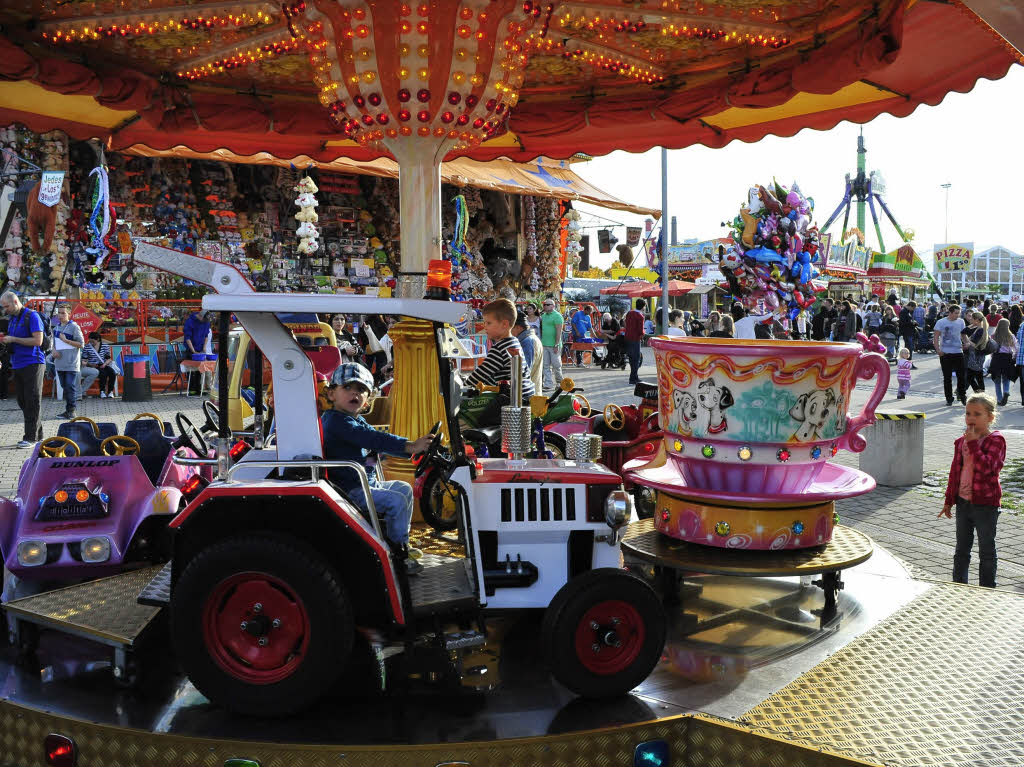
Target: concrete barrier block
{"type": "Point", "coordinates": [895, 452]}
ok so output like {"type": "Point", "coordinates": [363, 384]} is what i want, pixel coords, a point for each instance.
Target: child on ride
{"type": "Point", "coordinates": [348, 437]}
{"type": "Point", "coordinates": [499, 317]}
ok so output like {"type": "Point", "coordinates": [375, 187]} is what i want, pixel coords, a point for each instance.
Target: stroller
{"type": "Point", "coordinates": [614, 355]}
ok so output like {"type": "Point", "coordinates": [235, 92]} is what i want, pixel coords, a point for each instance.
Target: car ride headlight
{"type": "Point", "coordinates": [31, 553]}
{"type": "Point", "coordinates": [617, 509]}
{"type": "Point", "coordinates": [96, 549]}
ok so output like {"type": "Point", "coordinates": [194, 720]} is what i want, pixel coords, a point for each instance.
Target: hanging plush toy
{"type": "Point", "coordinates": [307, 216]}
{"type": "Point", "coordinates": [42, 220]}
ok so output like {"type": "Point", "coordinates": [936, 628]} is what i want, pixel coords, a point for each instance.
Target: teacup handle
{"type": "Point", "coordinates": [869, 366]}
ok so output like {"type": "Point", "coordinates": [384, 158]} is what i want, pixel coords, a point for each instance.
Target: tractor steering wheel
{"type": "Point", "coordinates": [57, 447]}
{"type": "Point", "coordinates": [614, 418]}
{"type": "Point", "coordinates": [189, 436]}
{"type": "Point", "coordinates": [120, 444]}
{"type": "Point", "coordinates": [212, 413]}
{"type": "Point", "coordinates": [427, 456]}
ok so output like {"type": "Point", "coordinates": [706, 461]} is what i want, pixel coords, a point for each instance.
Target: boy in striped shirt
{"type": "Point", "coordinates": [499, 317]}
{"type": "Point", "coordinates": [96, 362]}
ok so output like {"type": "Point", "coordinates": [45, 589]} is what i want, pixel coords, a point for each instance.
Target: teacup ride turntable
{"type": "Point", "coordinates": [743, 484]}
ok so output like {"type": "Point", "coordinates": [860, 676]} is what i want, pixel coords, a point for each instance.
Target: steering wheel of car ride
{"type": "Point", "coordinates": [92, 423]}
{"type": "Point", "coordinates": [189, 436]}
{"type": "Point", "coordinates": [427, 457]}
{"type": "Point", "coordinates": [57, 447]}
{"type": "Point", "coordinates": [212, 413]}
{"type": "Point", "coordinates": [614, 418]}
{"type": "Point", "coordinates": [120, 444]}
{"type": "Point", "coordinates": [585, 409]}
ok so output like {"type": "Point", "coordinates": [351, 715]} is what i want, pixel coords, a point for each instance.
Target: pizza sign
{"type": "Point", "coordinates": [955, 256]}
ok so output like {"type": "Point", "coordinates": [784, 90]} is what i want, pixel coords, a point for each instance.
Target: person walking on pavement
{"type": "Point", "coordinates": [947, 343]}
{"type": "Point", "coordinates": [1019, 361]}
{"type": "Point", "coordinates": [67, 357]}
{"type": "Point", "coordinates": [551, 323]}
{"type": "Point", "coordinates": [25, 337]}
{"type": "Point", "coordinates": [1003, 364]}
{"type": "Point", "coordinates": [908, 328]}
{"type": "Point", "coordinates": [533, 351]}
{"type": "Point", "coordinates": [634, 331]}
{"type": "Point", "coordinates": [973, 487]}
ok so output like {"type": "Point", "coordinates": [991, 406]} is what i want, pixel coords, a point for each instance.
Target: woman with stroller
{"type": "Point", "coordinates": [611, 334]}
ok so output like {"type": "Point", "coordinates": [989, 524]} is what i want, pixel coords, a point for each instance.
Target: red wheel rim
{"type": "Point", "coordinates": [609, 637]}
{"type": "Point", "coordinates": [249, 607]}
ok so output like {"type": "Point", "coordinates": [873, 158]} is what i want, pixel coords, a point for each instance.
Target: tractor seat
{"type": "Point", "coordinates": [483, 434]}
{"type": "Point", "coordinates": [107, 429]}
{"type": "Point", "coordinates": [82, 435]}
{"type": "Point", "coordinates": [645, 390]}
{"type": "Point", "coordinates": [325, 359]}
{"type": "Point", "coordinates": [153, 443]}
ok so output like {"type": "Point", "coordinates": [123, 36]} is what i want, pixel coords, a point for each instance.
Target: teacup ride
{"type": "Point", "coordinates": [743, 484]}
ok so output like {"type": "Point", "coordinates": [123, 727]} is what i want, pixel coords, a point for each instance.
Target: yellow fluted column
{"type": "Point", "coordinates": [416, 402]}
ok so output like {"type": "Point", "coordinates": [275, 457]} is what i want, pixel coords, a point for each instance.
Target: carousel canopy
{"type": "Point", "coordinates": [513, 78]}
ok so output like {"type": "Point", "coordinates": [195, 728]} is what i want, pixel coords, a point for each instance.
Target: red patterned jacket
{"type": "Point", "coordinates": [989, 455]}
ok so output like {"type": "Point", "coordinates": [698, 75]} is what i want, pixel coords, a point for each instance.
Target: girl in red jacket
{"type": "Point", "coordinates": [973, 486]}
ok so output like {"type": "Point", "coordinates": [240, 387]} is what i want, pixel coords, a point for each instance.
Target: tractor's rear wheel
{"type": "Point", "coordinates": [262, 625]}
{"type": "Point", "coordinates": [603, 633]}
{"type": "Point", "coordinates": [555, 444]}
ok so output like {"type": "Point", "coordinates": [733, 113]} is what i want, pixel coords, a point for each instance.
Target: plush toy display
{"type": "Point", "coordinates": [307, 216]}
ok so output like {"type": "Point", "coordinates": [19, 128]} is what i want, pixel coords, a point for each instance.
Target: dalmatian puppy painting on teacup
{"type": "Point", "coordinates": [712, 401]}
{"type": "Point", "coordinates": [684, 412]}
{"type": "Point", "coordinates": [813, 410]}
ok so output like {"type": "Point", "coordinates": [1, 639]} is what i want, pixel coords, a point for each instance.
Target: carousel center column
{"type": "Point", "coordinates": [416, 402]}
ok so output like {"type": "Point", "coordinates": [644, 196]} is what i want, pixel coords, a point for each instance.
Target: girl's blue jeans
{"type": "Point", "coordinates": [1002, 386]}
{"type": "Point", "coordinates": [971, 517]}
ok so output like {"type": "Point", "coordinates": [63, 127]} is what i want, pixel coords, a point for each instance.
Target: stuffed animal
{"type": "Point", "coordinates": [42, 220]}
{"type": "Point", "coordinates": [305, 186]}
{"type": "Point", "coordinates": [306, 200]}
{"type": "Point", "coordinates": [307, 215]}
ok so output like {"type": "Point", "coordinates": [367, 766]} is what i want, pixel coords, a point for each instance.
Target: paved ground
{"type": "Point", "coordinates": [901, 519]}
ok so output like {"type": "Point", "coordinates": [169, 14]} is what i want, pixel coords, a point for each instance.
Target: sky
{"type": "Point", "coordinates": [972, 141]}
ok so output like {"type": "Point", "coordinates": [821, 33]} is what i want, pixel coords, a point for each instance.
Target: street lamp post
{"type": "Point", "coordinates": [946, 187]}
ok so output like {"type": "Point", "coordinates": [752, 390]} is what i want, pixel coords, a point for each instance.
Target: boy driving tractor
{"type": "Point", "coordinates": [348, 437]}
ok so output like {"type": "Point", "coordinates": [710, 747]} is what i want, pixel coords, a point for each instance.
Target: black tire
{"type": "Point", "coordinates": [644, 501]}
{"type": "Point", "coordinates": [320, 630]}
{"type": "Point", "coordinates": [602, 596]}
{"type": "Point", "coordinates": [439, 516]}
{"type": "Point", "coordinates": [555, 444]}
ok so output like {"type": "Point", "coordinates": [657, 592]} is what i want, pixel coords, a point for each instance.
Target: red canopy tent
{"type": "Point", "coordinates": [675, 288]}
{"type": "Point", "coordinates": [629, 289]}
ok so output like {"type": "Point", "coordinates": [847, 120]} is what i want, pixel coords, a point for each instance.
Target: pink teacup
{"type": "Point", "coordinates": [761, 417]}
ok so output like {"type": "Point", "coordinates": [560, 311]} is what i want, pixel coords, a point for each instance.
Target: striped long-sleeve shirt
{"type": "Point", "coordinates": [497, 366]}
{"type": "Point", "coordinates": [1020, 347]}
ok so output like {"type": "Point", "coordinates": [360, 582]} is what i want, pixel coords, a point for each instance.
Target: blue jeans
{"type": "Point", "coordinates": [393, 501]}
{"type": "Point", "coordinates": [633, 355]}
{"type": "Point", "coordinates": [1002, 384]}
{"type": "Point", "coordinates": [971, 517]}
{"type": "Point", "coordinates": [69, 382]}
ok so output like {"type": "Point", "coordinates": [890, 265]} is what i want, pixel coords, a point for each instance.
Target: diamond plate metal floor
{"type": "Point", "coordinates": [940, 682]}
{"type": "Point", "coordinates": [104, 610]}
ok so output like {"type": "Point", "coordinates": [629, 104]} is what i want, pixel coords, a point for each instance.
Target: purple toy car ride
{"type": "Point", "coordinates": [92, 502]}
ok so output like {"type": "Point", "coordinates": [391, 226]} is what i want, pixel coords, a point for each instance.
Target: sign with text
{"type": "Point", "coordinates": [87, 320]}
{"type": "Point", "coordinates": [50, 186]}
{"type": "Point", "coordinates": [954, 256]}
{"type": "Point", "coordinates": [632, 236]}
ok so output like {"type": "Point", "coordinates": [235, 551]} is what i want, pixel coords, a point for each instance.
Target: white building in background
{"type": "Point", "coordinates": [997, 271]}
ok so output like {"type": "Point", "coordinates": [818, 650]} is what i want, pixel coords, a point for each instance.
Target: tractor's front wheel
{"type": "Point", "coordinates": [439, 503]}
{"type": "Point", "coordinates": [603, 633]}
{"type": "Point", "coordinates": [262, 625]}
